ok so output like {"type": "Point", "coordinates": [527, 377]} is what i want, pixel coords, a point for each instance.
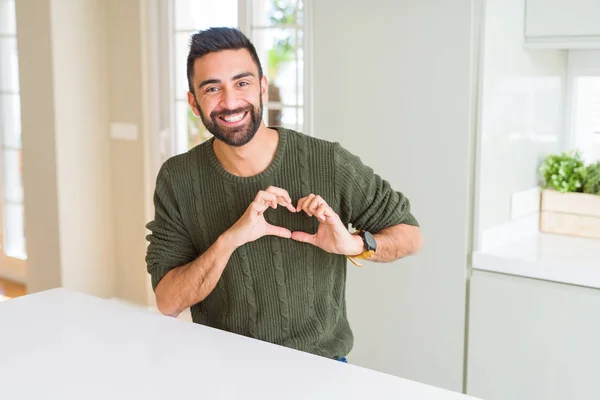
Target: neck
{"type": "Point", "coordinates": [252, 158]}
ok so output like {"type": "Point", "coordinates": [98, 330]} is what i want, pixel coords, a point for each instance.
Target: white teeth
{"type": "Point", "coordinates": [234, 117]}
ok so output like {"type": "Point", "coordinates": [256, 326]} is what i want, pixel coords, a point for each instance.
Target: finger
{"type": "Point", "coordinates": [306, 203]}
{"type": "Point", "coordinates": [283, 197]}
{"type": "Point", "coordinates": [274, 198]}
{"type": "Point", "coordinates": [280, 192]}
{"type": "Point", "coordinates": [259, 206]}
{"type": "Point", "coordinates": [285, 203]}
{"type": "Point", "coordinates": [320, 213]}
{"type": "Point", "coordinates": [269, 198]}
{"type": "Point", "coordinates": [329, 212]}
{"type": "Point", "coordinates": [304, 237]}
{"type": "Point", "coordinates": [278, 231]}
{"type": "Point", "coordinates": [331, 216]}
{"type": "Point", "coordinates": [300, 203]}
{"type": "Point", "coordinates": [315, 204]}
{"type": "Point", "coordinates": [290, 207]}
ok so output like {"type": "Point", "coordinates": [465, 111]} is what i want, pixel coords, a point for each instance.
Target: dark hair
{"type": "Point", "coordinates": [218, 39]}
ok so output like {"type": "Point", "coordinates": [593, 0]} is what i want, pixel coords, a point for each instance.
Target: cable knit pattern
{"type": "Point", "coordinates": [278, 263]}
{"type": "Point", "coordinates": [281, 290]}
{"type": "Point", "coordinates": [309, 253]}
{"type": "Point", "coordinates": [202, 212]}
{"type": "Point", "coordinates": [272, 289]}
{"type": "Point", "coordinates": [245, 265]}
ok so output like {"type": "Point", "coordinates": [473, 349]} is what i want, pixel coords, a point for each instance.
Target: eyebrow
{"type": "Point", "coordinates": [236, 77]}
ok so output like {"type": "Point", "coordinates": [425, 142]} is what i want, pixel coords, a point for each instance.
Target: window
{"type": "Point", "coordinates": [12, 237]}
{"type": "Point", "coordinates": [276, 30]}
{"type": "Point", "coordinates": [190, 16]}
{"type": "Point", "coordinates": [584, 121]}
{"type": "Point", "coordinates": [276, 27]}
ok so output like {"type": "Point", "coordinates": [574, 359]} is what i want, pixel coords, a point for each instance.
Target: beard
{"type": "Point", "coordinates": [233, 136]}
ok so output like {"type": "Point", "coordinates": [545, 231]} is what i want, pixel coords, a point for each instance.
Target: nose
{"type": "Point", "coordinates": [229, 99]}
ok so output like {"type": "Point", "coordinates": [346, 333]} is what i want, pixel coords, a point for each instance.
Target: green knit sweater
{"type": "Point", "coordinates": [273, 289]}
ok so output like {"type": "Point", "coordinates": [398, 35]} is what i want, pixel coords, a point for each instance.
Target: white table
{"type": "Point", "coordinates": [65, 345]}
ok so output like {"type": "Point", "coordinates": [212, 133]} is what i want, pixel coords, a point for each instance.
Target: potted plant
{"type": "Point", "coordinates": [570, 197]}
{"type": "Point", "coordinates": [592, 179]}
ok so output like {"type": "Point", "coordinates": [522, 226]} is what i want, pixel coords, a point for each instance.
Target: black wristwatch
{"type": "Point", "coordinates": [368, 240]}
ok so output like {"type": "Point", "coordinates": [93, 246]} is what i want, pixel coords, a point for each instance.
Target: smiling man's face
{"type": "Point", "coordinates": [228, 95]}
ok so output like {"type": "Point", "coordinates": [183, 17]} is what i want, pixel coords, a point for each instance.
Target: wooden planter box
{"type": "Point", "coordinates": [574, 214]}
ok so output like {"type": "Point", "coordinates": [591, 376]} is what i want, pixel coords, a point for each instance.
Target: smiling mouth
{"type": "Point", "coordinates": [233, 118]}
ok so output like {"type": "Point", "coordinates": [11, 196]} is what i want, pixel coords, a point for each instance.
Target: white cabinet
{"type": "Point", "coordinates": [565, 24]}
{"type": "Point", "coordinates": [531, 339]}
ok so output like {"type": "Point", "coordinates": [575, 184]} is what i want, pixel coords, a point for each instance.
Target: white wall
{"type": "Point", "coordinates": [522, 110]}
{"type": "Point", "coordinates": [80, 65]}
{"type": "Point", "coordinates": [64, 103]}
{"type": "Point", "coordinates": [82, 144]}
{"type": "Point", "coordinates": [393, 82]}
{"type": "Point", "coordinates": [39, 155]}
{"type": "Point", "coordinates": [127, 158]}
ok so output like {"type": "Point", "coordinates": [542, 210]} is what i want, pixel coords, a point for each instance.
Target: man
{"type": "Point", "coordinates": [251, 227]}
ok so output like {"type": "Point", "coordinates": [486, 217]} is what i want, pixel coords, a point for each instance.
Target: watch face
{"type": "Point", "coordinates": [370, 241]}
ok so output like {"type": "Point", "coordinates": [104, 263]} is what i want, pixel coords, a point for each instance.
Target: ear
{"type": "Point", "coordinates": [264, 89]}
{"type": "Point", "coordinates": [192, 103]}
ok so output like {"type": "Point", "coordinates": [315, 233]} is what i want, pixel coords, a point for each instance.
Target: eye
{"type": "Point", "coordinates": [243, 83]}
{"type": "Point", "coordinates": [212, 89]}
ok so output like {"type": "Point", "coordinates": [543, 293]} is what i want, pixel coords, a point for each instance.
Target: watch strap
{"type": "Point", "coordinates": [365, 255]}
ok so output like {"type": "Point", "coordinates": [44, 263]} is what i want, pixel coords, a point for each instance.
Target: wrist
{"type": "Point", "coordinates": [227, 242]}
{"type": "Point", "coordinates": [358, 246]}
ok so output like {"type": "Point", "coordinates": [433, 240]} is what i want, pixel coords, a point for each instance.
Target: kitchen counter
{"type": "Point", "coordinates": [61, 344]}
{"type": "Point", "coordinates": [556, 258]}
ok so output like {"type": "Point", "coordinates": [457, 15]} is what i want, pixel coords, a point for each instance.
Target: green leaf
{"type": "Point", "coordinates": [564, 172]}
{"type": "Point", "coordinates": [592, 182]}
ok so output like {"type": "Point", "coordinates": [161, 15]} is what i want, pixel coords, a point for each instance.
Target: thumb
{"type": "Point", "coordinates": [304, 237]}
{"type": "Point", "coordinates": [278, 231]}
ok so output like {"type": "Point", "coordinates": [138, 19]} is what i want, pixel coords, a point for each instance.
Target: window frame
{"type": "Point", "coordinates": [579, 63]}
{"type": "Point", "coordinates": [247, 26]}
{"type": "Point", "coordinates": [13, 268]}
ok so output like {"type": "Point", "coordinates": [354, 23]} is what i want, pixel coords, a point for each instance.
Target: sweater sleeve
{"type": "Point", "coordinates": [368, 202]}
{"type": "Point", "coordinates": [170, 244]}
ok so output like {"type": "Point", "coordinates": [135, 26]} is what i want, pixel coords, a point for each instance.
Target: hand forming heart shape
{"type": "Point", "coordinates": [331, 236]}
